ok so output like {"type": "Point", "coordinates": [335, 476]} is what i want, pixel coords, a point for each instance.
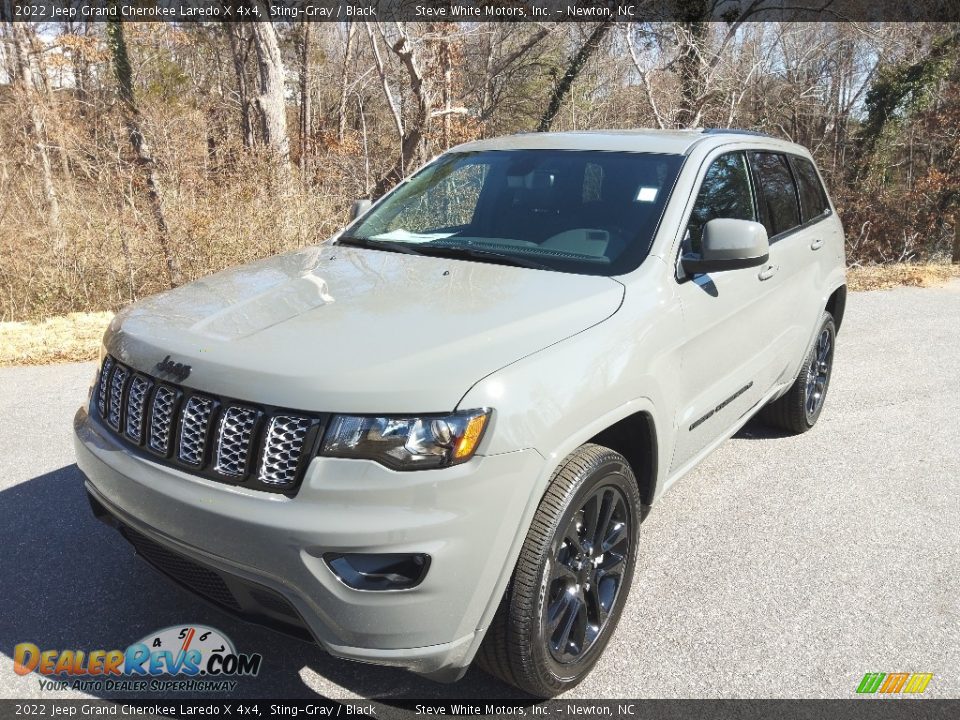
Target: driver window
{"type": "Point", "coordinates": [724, 193]}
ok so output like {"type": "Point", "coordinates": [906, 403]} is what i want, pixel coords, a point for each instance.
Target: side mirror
{"type": "Point", "coordinates": [729, 245]}
{"type": "Point", "coordinates": [359, 208]}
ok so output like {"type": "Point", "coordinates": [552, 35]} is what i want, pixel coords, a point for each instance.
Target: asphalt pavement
{"type": "Point", "coordinates": [780, 567]}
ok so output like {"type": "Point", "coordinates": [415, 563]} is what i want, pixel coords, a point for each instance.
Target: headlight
{"type": "Point", "coordinates": [407, 443]}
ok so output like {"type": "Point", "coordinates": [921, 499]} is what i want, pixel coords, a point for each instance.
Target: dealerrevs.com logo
{"type": "Point", "coordinates": [187, 658]}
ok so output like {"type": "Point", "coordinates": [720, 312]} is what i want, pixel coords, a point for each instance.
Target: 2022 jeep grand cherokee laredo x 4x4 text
{"type": "Point", "coordinates": [435, 437]}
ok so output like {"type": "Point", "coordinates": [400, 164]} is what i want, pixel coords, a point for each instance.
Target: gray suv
{"type": "Point", "coordinates": [433, 439]}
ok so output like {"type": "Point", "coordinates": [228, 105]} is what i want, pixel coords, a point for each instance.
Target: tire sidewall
{"type": "Point", "coordinates": [825, 324]}
{"type": "Point", "coordinates": [613, 472]}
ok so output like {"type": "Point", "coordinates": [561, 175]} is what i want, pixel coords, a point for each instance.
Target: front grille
{"type": "Point", "coordinates": [197, 578]}
{"type": "Point", "coordinates": [283, 449]}
{"type": "Point", "coordinates": [115, 404]}
{"type": "Point", "coordinates": [248, 599]}
{"type": "Point", "coordinates": [234, 441]}
{"type": "Point", "coordinates": [272, 601]}
{"type": "Point", "coordinates": [103, 385]}
{"type": "Point", "coordinates": [136, 402]}
{"type": "Point", "coordinates": [194, 426]}
{"type": "Point", "coordinates": [223, 439]}
{"type": "Point", "coordinates": [161, 419]}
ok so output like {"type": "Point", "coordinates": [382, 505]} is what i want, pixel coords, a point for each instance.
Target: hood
{"type": "Point", "coordinates": [351, 330]}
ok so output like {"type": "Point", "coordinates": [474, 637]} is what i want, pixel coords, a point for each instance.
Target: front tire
{"type": "Point", "coordinates": [799, 409]}
{"type": "Point", "coordinates": [572, 577]}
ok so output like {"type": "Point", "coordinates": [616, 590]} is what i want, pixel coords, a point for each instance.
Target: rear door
{"type": "Point", "coordinates": [793, 244]}
{"type": "Point", "coordinates": [728, 357]}
{"type": "Point", "coordinates": [823, 233]}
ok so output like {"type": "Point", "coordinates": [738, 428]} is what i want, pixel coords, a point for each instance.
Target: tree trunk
{"type": "Point", "coordinates": [690, 70]}
{"type": "Point", "coordinates": [486, 96]}
{"type": "Point", "coordinates": [21, 51]}
{"type": "Point", "coordinates": [141, 151]}
{"type": "Point", "coordinates": [492, 71]}
{"type": "Point", "coordinates": [446, 59]}
{"type": "Point", "coordinates": [235, 34]}
{"type": "Point", "coordinates": [416, 130]}
{"type": "Point", "coordinates": [563, 85]}
{"type": "Point", "coordinates": [956, 236]}
{"type": "Point", "coordinates": [271, 100]}
{"type": "Point", "coordinates": [344, 84]}
{"type": "Point", "coordinates": [306, 111]}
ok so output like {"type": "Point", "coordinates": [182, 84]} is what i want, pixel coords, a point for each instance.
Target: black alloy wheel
{"type": "Point", "coordinates": [798, 409]}
{"type": "Point", "coordinates": [586, 574]}
{"type": "Point", "coordinates": [572, 578]}
{"type": "Point", "coordinates": [818, 374]}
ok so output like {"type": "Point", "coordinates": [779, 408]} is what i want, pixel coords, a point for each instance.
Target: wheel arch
{"type": "Point", "coordinates": [836, 304]}
{"type": "Point", "coordinates": [635, 437]}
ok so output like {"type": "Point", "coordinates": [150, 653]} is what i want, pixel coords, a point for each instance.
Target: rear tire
{"type": "Point", "coordinates": [572, 578]}
{"type": "Point", "coordinates": [799, 409]}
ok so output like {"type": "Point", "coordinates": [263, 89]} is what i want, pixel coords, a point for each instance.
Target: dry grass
{"type": "Point", "coordinates": [76, 337]}
{"type": "Point", "coordinates": [66, 338]}
{"type": "Point", "coordinates": [882, 277]}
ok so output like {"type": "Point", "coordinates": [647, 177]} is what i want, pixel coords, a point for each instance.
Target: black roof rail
{"type": "Point", "coordinates": [735, 131]}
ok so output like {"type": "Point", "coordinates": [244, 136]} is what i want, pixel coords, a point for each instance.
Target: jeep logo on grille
{"type": "Point", "coordinates": [179, 371]}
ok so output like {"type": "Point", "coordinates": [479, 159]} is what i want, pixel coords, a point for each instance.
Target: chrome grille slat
{"type": "Point", "coordinates": [194, 424]}
{"type": "Point", "coordinates": [104, 385]}
{"type": "Point", "coordinates": [161, 419]}
{"type": "Point", "coordinates": [117, 382]}
{"type": "Point", "coordinates": [136, 404]}
{"type": "Point", "coordinates": [283, 448]}
{"type": "Point", "coordinates": [234, 440]}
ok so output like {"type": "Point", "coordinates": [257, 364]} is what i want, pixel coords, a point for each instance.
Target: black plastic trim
{"type": "Point", "coordinates": [736, 131]}
{"type": "Point", "coordinates": [699, 266]}
{"type": "Point", "coordinates": [344, 566]}
{"type": "Point", "coordinates": [252, 602]}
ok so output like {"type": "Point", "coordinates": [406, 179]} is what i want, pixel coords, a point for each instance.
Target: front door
{"type": "Point", "coordinates": [729, 356]}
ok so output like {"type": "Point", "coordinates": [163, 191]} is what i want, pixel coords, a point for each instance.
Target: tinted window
{"type": "Point", "coordinates": [585, 212]}
{"type": "Point", "coordinates": [724, 193]}
{"type": "Point", "coordinates": [776, 192]}
{"type": "Point", "coordinates": [813, 198]}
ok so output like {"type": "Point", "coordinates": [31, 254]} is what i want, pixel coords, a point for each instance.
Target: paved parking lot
{"type": "Point", "coordinates": [781, 567]}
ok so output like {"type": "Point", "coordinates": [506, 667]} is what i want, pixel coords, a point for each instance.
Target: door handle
{"type": "Point", "coordinates": [816, 244]}
{"type": "Point", "coordinates": [768, 272]}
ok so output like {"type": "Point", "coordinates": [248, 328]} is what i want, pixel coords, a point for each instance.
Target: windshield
{"type": "Point", "coordinates": [574, 211]}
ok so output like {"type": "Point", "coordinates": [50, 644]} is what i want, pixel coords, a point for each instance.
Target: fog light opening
{"type": "Point", "coordinates": [386, 571]}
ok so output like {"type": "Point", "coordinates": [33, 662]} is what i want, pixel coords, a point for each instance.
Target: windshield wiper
{"type": "Point", "coordinates": [387, 245]}
{"type": "Point", "coordinates": [466, 251]}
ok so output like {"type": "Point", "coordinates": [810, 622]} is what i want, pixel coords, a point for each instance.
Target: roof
{"type": "Point", "coordinates": [674, 142]}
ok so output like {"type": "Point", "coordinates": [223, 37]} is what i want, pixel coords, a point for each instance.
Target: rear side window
{"type": "Point", "coordinates": [776, 192]}
{"type": "Point", "coordinates": [813, 198]}
{"type": "Point", "coordinates": [724, 193]}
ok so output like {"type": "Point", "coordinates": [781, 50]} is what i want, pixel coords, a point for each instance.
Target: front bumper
{"type": "Point", "coordinates": [468, 518]}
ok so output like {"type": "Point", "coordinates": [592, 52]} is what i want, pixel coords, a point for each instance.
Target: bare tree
{"type": "Point", "coordinates": [306, 109]}
{"type": "Point", "coordinates": [271, 100]}
{"type": "Point", "coordinates": [21, 56]}
{"type": "Point", "coordinates": [411, 133]}
{"type": "Point", "coordinates": [345, 83]}
{"type": "Point", "coordinates": [565, 82]}
{"type": "Point", "coordinates": [141, 150]}
{"type": "Point", "coordinates": [239, 46]}
{"type": "Point", "coordinates": [446, 64]}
